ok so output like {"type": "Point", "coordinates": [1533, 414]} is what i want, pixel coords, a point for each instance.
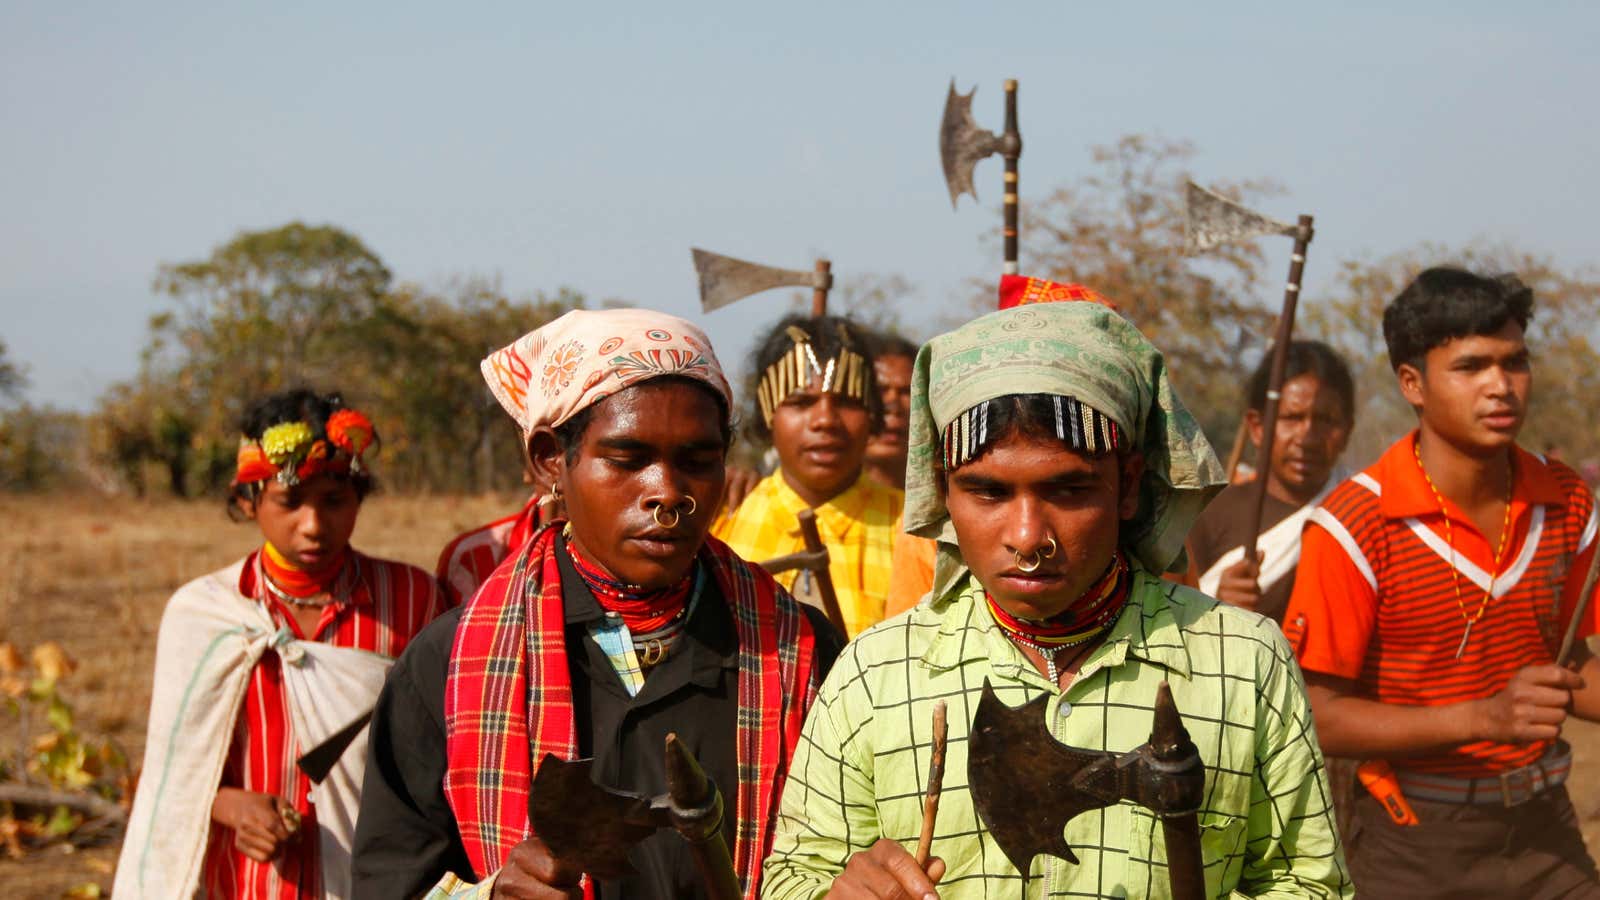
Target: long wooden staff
{"type": "Point", "coordinates": [1280, 360]}
{"type": "Point", "coordinates": [1580, 608]}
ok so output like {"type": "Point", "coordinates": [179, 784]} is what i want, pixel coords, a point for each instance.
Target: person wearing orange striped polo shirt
{"type": "Point", "coordinates": [1432, 595]}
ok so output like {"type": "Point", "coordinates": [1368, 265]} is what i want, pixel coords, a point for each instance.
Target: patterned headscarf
{"type": "Point", "coordinates": [549, 375]}
{"type": "Point", "coordinates": [1080, 350]}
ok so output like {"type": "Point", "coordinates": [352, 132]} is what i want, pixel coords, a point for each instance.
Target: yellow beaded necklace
{"type": "Point", "coordinates": [1449, 539]}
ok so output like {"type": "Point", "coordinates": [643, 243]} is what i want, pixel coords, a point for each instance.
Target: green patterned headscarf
{"type": "Point", "coordinates": [1081, 350]}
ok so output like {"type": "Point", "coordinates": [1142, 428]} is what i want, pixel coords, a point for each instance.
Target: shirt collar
{"type": "Point", "coordinates": [1406, 493]}
{"type": "Point", "coordinates": [1147, 629]}
{"type": "Point", "coordinates": [710, 638]}
{"type": "Point", "coordinates": [840, 515]}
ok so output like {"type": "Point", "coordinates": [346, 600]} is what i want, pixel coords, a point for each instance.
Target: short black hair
{"type": "Point", "coordinates": [1307, 358]}
{"type": "Point", "coordinates": [569, 434]}
{"type": "Point", "coordinates": [1443, 304]}
{"type": "Point", "coordinates": [301, 404]}
{"type": "Point", "coordinates": [828, 335]}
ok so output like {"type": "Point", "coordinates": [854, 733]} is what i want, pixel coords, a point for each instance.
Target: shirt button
{"type": "Point", "coordinates": [1064, 709]}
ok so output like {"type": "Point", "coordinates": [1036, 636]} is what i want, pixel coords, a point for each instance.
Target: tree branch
{"type": "Point", "coordinates": [46, 798]}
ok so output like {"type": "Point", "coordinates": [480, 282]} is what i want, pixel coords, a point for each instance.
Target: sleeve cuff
{"type": "Point", "coordinates": [451, 886]}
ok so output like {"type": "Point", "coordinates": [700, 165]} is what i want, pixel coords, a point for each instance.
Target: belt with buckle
{"type": "Point", "coordinates": [1512, 787]}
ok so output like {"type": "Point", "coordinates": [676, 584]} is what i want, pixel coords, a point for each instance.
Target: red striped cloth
{"type": "Point", "coordinates": [509, 700]}
{"type": "Point", "coordinates": [471, 557]}
{"type": "Point", "coordinates": [1373, 598]}
{"type": "Point", "coordinates": [386, 604]}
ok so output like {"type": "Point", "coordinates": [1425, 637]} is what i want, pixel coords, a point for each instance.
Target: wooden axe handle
{"type": "Point", "coordinates": [1011, 150]}
{"type": "Point", "coordinates": [830, 600]}
{"type": "Point", "coordinates": [1579, 609]}
{"type": "Point", "coordinates": [1280, 360]}
{"type": "Point", "coordinates": [819, 294]}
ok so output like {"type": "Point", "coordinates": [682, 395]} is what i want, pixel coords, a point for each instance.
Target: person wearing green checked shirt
{"type": "Point", "coordinates": [1058, 472]}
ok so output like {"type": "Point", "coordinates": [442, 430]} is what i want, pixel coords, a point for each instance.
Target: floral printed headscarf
{"type": "Point", "coordinates": [549, 375]}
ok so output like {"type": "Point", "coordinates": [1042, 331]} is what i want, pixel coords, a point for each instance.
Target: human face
{"type": "Point", "coordinates": [1311, 434]}
{"type": "Point", "coordinates": [654, 445]}
{"type": "Point", "coordinates": [1473, 392]}
{"type": "Point", "coordinates": [310, 523]}
{"type": "Point", "coordinates": [888, 444]}
{"type": "Point", "coordinates": [821, 439]}
{"type": "Point", "coordinates": [1017, 496]}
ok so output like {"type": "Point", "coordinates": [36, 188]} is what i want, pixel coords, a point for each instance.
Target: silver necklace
{"type": "Point", "coordinates": [292, 600]}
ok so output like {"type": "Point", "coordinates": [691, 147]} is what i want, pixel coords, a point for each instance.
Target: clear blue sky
{"type": "Point", "coordinates": [551, 145]}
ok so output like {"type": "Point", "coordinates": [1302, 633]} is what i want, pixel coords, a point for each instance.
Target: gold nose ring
{"type": "Point", "coordinates": [655, 513]}
{"type": "Point", "coordinates": [1036, 558]}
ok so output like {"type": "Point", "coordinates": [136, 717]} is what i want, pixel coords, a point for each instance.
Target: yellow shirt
{"type": "Point", "coordinates": [858, 527]}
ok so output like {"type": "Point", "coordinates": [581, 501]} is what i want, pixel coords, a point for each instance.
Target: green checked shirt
{"type": "Point", "coordinates": [1267, 826]}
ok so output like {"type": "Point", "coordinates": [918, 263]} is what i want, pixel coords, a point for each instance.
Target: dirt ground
{"type": "Point", "coordinates": [94, 574]}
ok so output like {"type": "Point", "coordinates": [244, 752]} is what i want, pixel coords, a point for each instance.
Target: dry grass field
{"type": "Point", "coordinates": [94, 574]}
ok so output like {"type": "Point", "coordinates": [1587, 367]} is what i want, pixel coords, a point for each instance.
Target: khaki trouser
{"type": "Point", "coordinates": [1467, 851]}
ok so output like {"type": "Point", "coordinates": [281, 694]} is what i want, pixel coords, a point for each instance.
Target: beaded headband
{"type": "Point", "coordinates": [844, 374]}
{"type": "Point", "coordinates": [290, 451]}
{"type": "Point", "coordinates": [1077, 424]}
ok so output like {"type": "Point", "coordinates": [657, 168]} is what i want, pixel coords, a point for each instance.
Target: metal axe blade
{"type": "Point", "coordinates": [962, 143]}
{"type": "Point", "coordinates": [724, 279]}
{"type": "Point", "coordinates": [1212, 220]}
{"type": "Point", "coordinates": [586, 826]}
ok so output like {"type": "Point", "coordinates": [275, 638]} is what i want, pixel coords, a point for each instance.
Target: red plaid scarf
{"type": "Point", "coordinates": [510, 646]}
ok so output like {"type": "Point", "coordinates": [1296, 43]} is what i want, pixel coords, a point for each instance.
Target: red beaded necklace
{"type": "Point", "coordinates": [1090, 615]}
{"type": "Point", "coordinates": [643, 611]}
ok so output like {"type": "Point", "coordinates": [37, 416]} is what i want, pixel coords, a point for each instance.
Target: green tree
{"type": "Point", "coordinates": [40, 448]}
{"type": "Point", "coordinates": [442, 428]}
{"type": "Point", "coordinates": [302, 305]}
{"type": "Point", "coordinates": [1566, 365]}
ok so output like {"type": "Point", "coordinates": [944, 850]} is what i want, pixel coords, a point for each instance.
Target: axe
{"type": "Point", "coordinates": [815, 560]}
{"type": "Point", "coordinates": [1027, 786]}
{"type": "Point", "coordinates": [1213, 220]}
{"type": "Point", "coordinates": [591, 828]}
{"type": "Point", "coordinates": [962, 143]}
{"type": "Point", "coordinates": [724, 279]}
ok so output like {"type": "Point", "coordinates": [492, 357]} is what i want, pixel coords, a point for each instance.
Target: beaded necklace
{"type": "Point", "coordinates": [1086, 619]}
{"type": "Point", "coordinates": [1449, 539]}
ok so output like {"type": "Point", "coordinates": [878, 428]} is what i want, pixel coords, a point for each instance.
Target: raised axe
{"type": "Point", "coordinates": [962, 144]}
{"type": "Point", "coordinates": [1213, 220]}
{"type": "Point", "coordinates": [724, 279]}
{"type": "Point", "coordinates": [1027, 786]}
{"type": "Point", "coordinates": [590, 828]}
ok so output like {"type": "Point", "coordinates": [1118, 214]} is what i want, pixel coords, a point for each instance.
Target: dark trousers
{"type": "Point", "coordinates": [1468, 851]}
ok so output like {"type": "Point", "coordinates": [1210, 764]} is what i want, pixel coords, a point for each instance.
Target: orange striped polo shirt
{"type": "Point", "coordinates": [1373, 600]}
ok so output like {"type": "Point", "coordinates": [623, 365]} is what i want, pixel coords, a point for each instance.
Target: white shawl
{"type": "Point", "coordinates": [1278, 545]}
{"type": "Point", "coordinates": [211, 637]}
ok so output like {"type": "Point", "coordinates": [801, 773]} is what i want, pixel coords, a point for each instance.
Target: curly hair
{"type": "Point", "coordinates": [296, 405]}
